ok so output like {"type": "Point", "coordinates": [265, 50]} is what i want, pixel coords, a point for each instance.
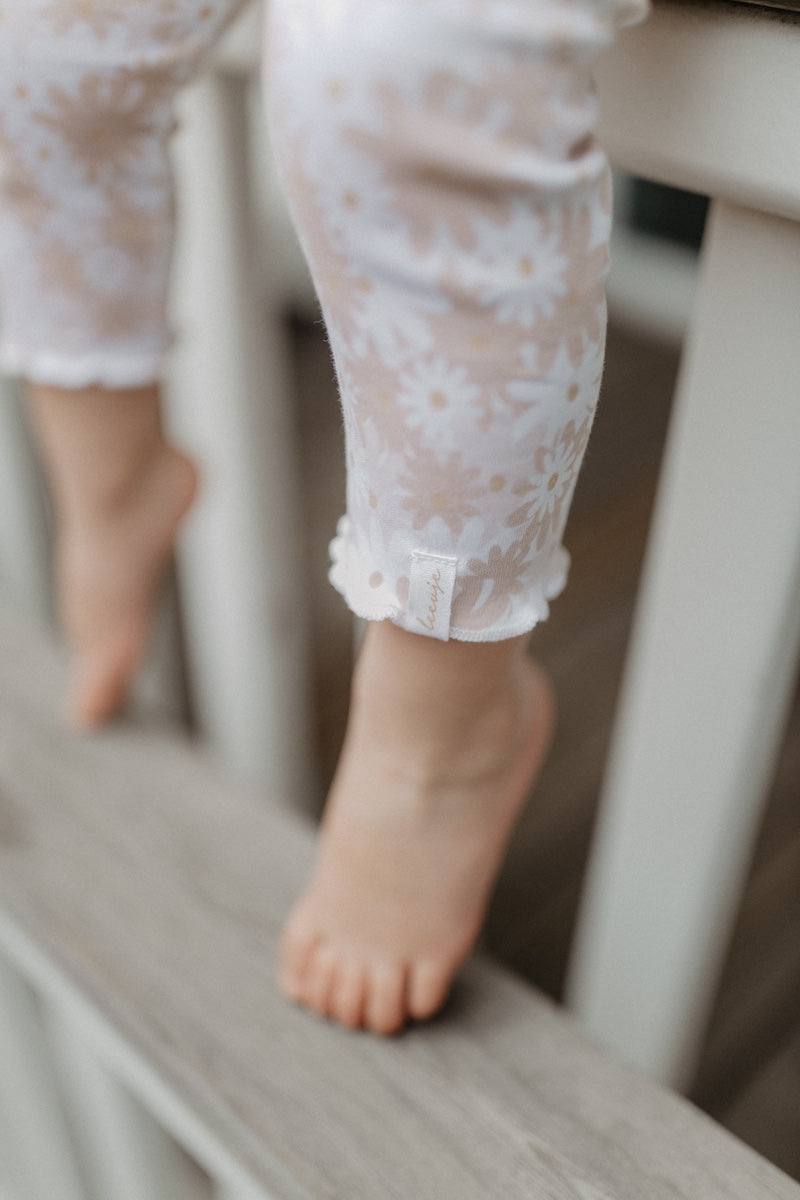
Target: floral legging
{"type": "Point", "coordinates": [439, 161]}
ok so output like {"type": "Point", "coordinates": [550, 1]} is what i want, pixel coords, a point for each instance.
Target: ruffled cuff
{"type": "Point", "coordinates": [374, 595]}
{"type": "Point", "coordinates": [103, 368]}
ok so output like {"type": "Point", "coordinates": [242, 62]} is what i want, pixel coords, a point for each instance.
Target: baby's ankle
{"type": "Point", "coordinates": [431, 702]}
{"type": "Point", "coordinates": [435, 679]}
{"type": "Point", "coordinates": [96, 443]}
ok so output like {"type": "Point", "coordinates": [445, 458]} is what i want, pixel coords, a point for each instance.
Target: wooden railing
{"type": "Point", "coordinates": [146, 1053]}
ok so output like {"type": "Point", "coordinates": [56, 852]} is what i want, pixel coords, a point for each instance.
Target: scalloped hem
{"type": "Point", "coordinates": [116, 371]}
{"type": "Point", "coordinates": [347, 575]}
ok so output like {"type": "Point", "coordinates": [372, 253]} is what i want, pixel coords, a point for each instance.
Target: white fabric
{"type": "Point", "coordinates": [439, 160]}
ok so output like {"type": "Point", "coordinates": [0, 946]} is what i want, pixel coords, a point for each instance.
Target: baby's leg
{"type": "Point", "coordinates": [119, 491]}
{"type": "Point", "coordinates": [455, 209]}
{"type": "Point", "coordinates": [86, 222]}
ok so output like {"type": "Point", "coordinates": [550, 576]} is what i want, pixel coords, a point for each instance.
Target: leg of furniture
{"type": "Point", "coordinates": [128, 1155]}
{"type": "Point", "coordinates": [39, 1159]}
{"type": "Point", "coordinates": [24, 576]}
{"type": "Point", "coordinates": [711, 665]}
{"type": "Point", "coordinates": [240, 565]}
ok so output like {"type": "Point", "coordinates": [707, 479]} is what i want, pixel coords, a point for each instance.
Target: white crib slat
{"type": "Point", "coordinates": [243, 603]}
{"type": "Point", "coordinates": [127, 1153]}
{"type": "Point", "coordinates": [23, 538]}
{"type": "Point", "coordinates": [41, 1159]}
{"type": "Point", "coordinates": [712, 662]}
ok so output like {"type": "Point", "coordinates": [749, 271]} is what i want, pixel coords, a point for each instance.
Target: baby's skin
{"type": "Point", "coordinates": [120, 491]}
{"type": "Point", "coordinates": [444, 740]}
{"type": "Point", "coordinates": [443, 743]}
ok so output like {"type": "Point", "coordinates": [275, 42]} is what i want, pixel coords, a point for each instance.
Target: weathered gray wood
{"type": "Point", "coordinates": [158, 889]}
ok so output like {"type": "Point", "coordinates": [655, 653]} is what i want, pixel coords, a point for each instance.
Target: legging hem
{"type": "Point", "coordinates": [353, 577]}
{"type": "Point", "coordinates": [115, 372]}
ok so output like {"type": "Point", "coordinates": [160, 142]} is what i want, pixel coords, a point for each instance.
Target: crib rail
{"type": "Point", "coordinates": [145, 1053]}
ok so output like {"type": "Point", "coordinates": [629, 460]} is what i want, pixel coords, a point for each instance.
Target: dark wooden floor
{"type": "Point", "coordinates": [749, 1075]}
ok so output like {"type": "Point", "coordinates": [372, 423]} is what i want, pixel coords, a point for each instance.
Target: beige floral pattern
{"type": "Point", "coordinates": [548, 488]}
{"type": "Point", "coordinates": [440, 162]}
{"type": "Point", "coordinates": [103, 123]}
{"type": "Point", "coordinates": [99, 16]}
{"type": "Point", "coordinates": [454, 207]}
{"type": "Point", "coordinates": [440, 489]}
{"type": "Point", "coordinates": [86, 206]}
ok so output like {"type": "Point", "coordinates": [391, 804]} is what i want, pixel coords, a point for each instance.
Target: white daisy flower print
{"type": "Point", "coordinates": [435, 394]}
{"type": "Point", "coordinates": [518, 267]}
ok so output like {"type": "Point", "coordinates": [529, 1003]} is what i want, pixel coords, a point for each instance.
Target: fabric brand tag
{"type": "Point", "coordinates": [430, 597]}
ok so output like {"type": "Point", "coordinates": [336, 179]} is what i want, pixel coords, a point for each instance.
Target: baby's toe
{"type": "Point", "coordinates": [103, 675]}
{"type": "Point", "coordinates": [296, 948]}
{"type": "Point", "coordinates": [347, 997]}
{"type": "Point", "coordinates": [385, 1007]}
{"type": "Point", "coordinates": [427, 989]}
{"type": "Point", "coordinates": [320, 979]}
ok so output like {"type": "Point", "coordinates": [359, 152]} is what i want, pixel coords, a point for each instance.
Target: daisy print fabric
{"type": "Point", "coordinates": [440, 164]}
{"type": "Point", "coordinates": [439, 160]}
{"type": "Point", "coordinates": [86, 203]}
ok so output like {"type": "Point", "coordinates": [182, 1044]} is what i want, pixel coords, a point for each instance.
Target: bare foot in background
{"type": "Point", "coordinates": [120, 491]}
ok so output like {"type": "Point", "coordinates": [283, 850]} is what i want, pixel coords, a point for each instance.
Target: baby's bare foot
{"type": "Point", "coordinates": [109, 568]}
{"type": "Point", "coordinates": [429, 787]}
{"type": "Point", "coordinates": [120, 491]}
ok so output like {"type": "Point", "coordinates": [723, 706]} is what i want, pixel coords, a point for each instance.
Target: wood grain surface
{"type": "Point", "coordinates": [158, 887]}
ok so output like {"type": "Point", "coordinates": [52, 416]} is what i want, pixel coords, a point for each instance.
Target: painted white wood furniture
{"type": "Point", "coordinates": [704, 96]}
{"type": "Point", "coordinates": [235, 277]}
{"type": "Point", "coordinates": [23, 537]}
{"type": "Point", "coordinates": [162, 974]}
